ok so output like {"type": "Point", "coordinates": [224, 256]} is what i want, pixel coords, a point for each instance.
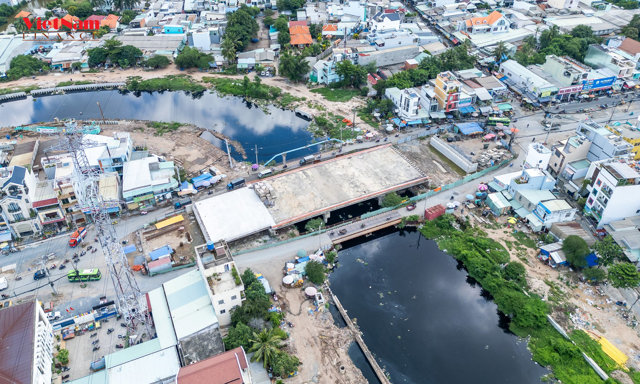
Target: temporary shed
{"type": "Point", "coordinates": [498, 203]}
{"type": "Point", "coordinates": [468, 129]}
{"type": "Point", "coordinates": [434, 212]}
{"type": "Point", "coordinates": [169, 221]}
{"type": "Point", "coordinates": [160, 253]}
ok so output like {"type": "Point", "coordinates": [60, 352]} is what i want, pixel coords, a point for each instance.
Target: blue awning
{"type": "Point", "coordinates": [158, 253]}
{"type": "Point", "coordinates": [467, 109]}
{"type": "Point", "coordinates": [398, 122]}
{"type": "Point", "coordinates": [414, 122]}
{"type": "Point", "coordinates": [505, 107]}
{"type": "Point", "coordinates": [129, 249]}
{"type": "Point", "coordinates": [469, 128]}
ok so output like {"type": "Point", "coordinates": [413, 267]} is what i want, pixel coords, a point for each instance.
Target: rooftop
{"type": "Point", "coordinates": [108, 186]}
{"type": "Point", "coordinates": [146, 172]}
{"type": "Point", "coordinates": [17, 334]}
{"type": "Point", "coordinates": [555, 205]}
{"type": "Point", "coordinates": [225, 368]}
{"type": "Point", "coordinates": [232, 215]}
{"type": "Point", "coordinates": [580, 164]}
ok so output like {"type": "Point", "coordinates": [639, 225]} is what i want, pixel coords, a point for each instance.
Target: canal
{"type": "Point", "coordinates": [271, 129]}
{"type": "Point", "coordinates": [423, 317]}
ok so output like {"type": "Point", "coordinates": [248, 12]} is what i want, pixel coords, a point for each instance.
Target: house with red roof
{"type": "Point", "coordinates": [110, 21]}
{"type": "Point", "coordinates": [22, 14]}
{"type": "Point", "coordinates": [300, 36]}
{"type": "Point", "coordinates": [229, 367]}
{"type": "Point", "coordinates": [494, 22]}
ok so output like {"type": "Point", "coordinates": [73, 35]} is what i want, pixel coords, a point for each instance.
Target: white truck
{"type": "Point", "coordinates": [3, 283]}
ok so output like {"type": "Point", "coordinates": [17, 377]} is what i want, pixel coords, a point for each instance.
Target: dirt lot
{"type": "Point", "coordinates": [430, 162]}
{"type": "Point", "coordinates": [319, 344]}
{"type": "Point", "coordinates": [590, 307]}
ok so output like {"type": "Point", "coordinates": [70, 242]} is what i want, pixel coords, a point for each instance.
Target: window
{"type": "Point", "coordinates": [598, 182]}
{"type": "Point", "coordinates": [590, 201]}
{"type": "Point", "coordinates": [222, 311]}
{"type": "Point", "coordinates": [234, 297]}
{"type": "Point", "coordinates": [220, 301]}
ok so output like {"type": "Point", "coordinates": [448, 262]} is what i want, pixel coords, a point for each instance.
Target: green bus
{"type": "Point", "coordinates": [76, 275]}
{"type": "Point", "coordinates": [493, 121]}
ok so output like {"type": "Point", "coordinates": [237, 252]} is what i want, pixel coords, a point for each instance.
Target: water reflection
{"type": "Point", "coordinates": [424, 320]}
{"type": "Point", "coordinates": [272, 129]}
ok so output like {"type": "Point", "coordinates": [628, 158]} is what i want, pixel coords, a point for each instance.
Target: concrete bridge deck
{"type": "Point", "coordinates": [364, 227]}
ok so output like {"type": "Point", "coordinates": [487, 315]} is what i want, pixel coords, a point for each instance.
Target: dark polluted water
{"type": "Point", "coordinates": [424, 318]}
{"type": "Point", "coordinates": [273, 132]}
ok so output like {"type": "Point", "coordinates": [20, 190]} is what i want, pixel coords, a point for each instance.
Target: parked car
{"type": "Point", "coordinates": [40, 274]}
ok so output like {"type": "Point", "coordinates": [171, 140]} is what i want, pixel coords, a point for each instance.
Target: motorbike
{"type": "Point", "coordinates": [62, 266]}
{"type": "Point", "coordinates": [110, 330]}
{"type": "Point", "coordinates": [386, 138]}
{"type": "Point", "coordinates": [123, 325]}
{"type": "Point", "coordinates": [65, 261]}
{"type": "Point", "coordinates": [120, 336]}
{"type": "Point", "coordinates": [18, 278]}
{"type": "Point", "coordinates": [89, 247]}
{"type": "Point", "coordinates": [94, 334]}
{"type": "Point", "coordinates": [53, 266]}
{"type": "Point", "coordinates": [83, 253]}
{"type": "Point", "coordinates": [5, 296]}
{"type": "Point", "coordinates": [94, 250]}
{"type": "Point", "coordinates": [65, 369]}
{"type": "Point", "coordinates": [119, 346]}
{"type": "Point", "coordinates": [96, 348]}
{"type": "Point", "coordinates": [95, 342]}
{"type": "Point", "coordinates": [65, 377]}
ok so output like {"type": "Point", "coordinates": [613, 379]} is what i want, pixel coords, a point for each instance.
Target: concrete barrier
{"type": "Point", "coordinates": [453, 155]}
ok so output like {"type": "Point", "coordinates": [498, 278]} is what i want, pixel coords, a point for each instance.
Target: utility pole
{"type": "Point", "coordinates": [100, 108]}
{"type": "Point", "coordinates": [46, 271]}
{"type": "Point", "coordinates": [256, 146]}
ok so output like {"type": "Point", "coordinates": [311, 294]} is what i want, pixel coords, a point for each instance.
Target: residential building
{"type": "Point", "coordinates": [110, 190]}
{"type": "Point", "coordinates": [64, 54]}
{"type": "Point", "coordinates": [300, 36]}
{"type": "Point", "coordinates": [495, 22]}
{"type": "Point", "coordinates": [220, 272]}
{"type": "Point", "coordinates": [147, 181]}
{"type": "Point", "coordinates": [567, 74]}
{"type": "Point", "coordinates": [385, 21]}
{"type": "Point", "coordinates": [531, 178]}
{"type": "Point", "coordinates": [600, 25]}
{"type": "Point", "coordinates": [324, 72]}
{"type": "Point", "coordinates": [554, 211]}
{"type": "Point", "coordinates": [615, 185]}
{"type": "Point", "coordinates": [164, 45]}
{"type": "Point", "coordinates": [527, 82]}
{"type": "Point", "coordinates": [229, 367]}
{"type": "Point", "coordinates": [630, 134]}
{"type": "Point", "coordinates": [563, 4]}
{"type": "Point", "coordinates": [604, 144]}
{"type": "Point", "coordinates": [529, 199]}
{"type": "Point", "coordinates": [566, 151]}
{"type": "Point", "coordinates": [599, 56]}
{"type": "Point", "coordinates": [538, 156]}
{"type": "Point", "coordinates": [15, 203]}
{"type": "Point", "coordinates": [625, 234]}
{"type": "Point", "coordinates": [26, 355]}
{"type": "Point", "coordinates": [109, 153]}
{"type": "Point", "coordinates": [45, 204]}
{"type": "Point", "coordinates": [447, 91]}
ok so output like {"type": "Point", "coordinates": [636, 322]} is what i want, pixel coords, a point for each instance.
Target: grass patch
{"type": "Point", "coordinates": [162, 128]}
{"type": "Point", "coordinates": [287, 99]}
{"type": "Point", "coordinates": [5, 91]}
{"type": "Point", "coordinates": [254, 90]}
{"type": "Point", "coordinates": [524, 239]}
{"type": "Point", "coordinates": [368, 118]}
{"type": "Point", "coordinates": [594, 350]}
{"type": "Point", "coordinates": [68, 83]}
{"type": "Point", "coordinates": [337, 94]}
{"type": "Point", "coordinates": [168, 83]}
{"type": "Point", "coordinates": [332, 126]}
{"type": "Point", "coordinates": [450, 163]}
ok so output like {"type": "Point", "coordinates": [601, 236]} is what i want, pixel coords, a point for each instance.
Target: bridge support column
{"type": "Point", "coordinates": [284, 159]}
{"type": "Point", "coordinates": [380, 198]}
{"type": "Point", "coordinates": [326, 216]}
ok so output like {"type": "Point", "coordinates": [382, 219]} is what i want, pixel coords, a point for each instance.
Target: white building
{"type": "Point", "coordinates": [16, 184]}
{"type": "Point", "coordinates": [614, 190]}
{"type": "Point", "coordinates": [526, 80]}
{"type": "Point", "coordinates": [413, 103]}
{"type": "Point", "coordinates": [563, 4]}
{"type": "Point", "coordinates": [147, 180]}
{"type": "Point", "coordinates": [495, 22]}
{"type": "Point", "coordinates": [554, 211]}
{"type": "Point", "coordinates": [26, 355]}
{"type": "Point", "coordinates": [538, 156]}
{"type": "Point", "coordinates": [220, 272]}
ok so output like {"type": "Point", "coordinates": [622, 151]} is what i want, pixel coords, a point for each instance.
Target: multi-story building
{"type": "Point", "coordinates": [538, 156]}
{"type": "Point", "coordinates": [527, 82]}
{"type": "Point", "coordinates": [567, 73]}
{"type": "Point", "coordinates": [223, 278]}
{"type": "Point", "coordinates": [614, 190]}
{"type": "Point", "coordinates": [26, 355]}
{"type": "Point", "coordinates": [112, 154]}
{"type": "Point", "coordinates": [447, 91]}
{"type": "Point", "coordinates": [604, 144]}
{"type": "Point", "coordinates": [495, 22]}
{"type": "Point", "coordinates": [554, 211]}
{"type": "Point", "coordinates": [147, 181]}
{"type": "Point", "coordinates": [566, 151]}
{"type": "Point", "coordinates": [599, 56]}
{"type": "Point", "coordinates": [631, 135]}
{"type": "Point", "coordinates": [533, 179]}
{"type": "Point", "coordinates": [45, 204]}
{"type": "Point", "coordinates": [63, 184]}
{"type": "Point", "coordinates": [16, 183]}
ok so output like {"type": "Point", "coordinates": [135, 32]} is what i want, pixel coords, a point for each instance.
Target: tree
{"type": "Point", "coordinates": [23, 65]}
{"type": "Point", "coordinates": [242, 25]}
{"type": "Point", "coordinates": [83, 10]}
{"type": "Point", "coordinates": [157, 61]}
{"type": "Point", "coordinates": [63, 356]}
{"type": "Point", "coordinates": [315, 272]}
{"type": "Point", "coordinates": [313, 225]}
{"type": "Point", "coordinates": [582, 31]}
{"type": "Point", "coordinates": [293, 67]}
{"type": "Point", "coordinates": [284, 38]}
{"type": "Point", "coordinates": [500, 51]}
{"type": "Point", "coordinates": [289, 5]}
{"type": "Point", "coordinates": [391, 200]}
{"type": "Point", "coordinates": [20, 26]}
{"type": "Point", "coordinates": [631, 32]}
{"type": "Point", "coordinates": [533, 315]}
{"type": "Point", "coordinates": [608, 250]}
{"type": "Point", "coordinates": [76, 66]}
{"type": "Point", "coordinates": [283, 364]}
{"type": "Point", "coordinates": [595, 275]}
{"type": "Point", "coordinates": [351, 74]}
{"type": "Point", "coordinates": [126, 56]}
{"type": "Point", "coordinates": [239, 336]}
{"type": "Point", "coordinates": [102, 31]}
{"type": "Point", "coordinates": [229, 46]}
{"type": "Point", "coordinates": [192, 58]}
{"type": "Point", "coordinates": [97, 56]}
{"type": "Point", "coordinates": [576, 251]}
{"type": "Point", "coordinates": [281, 24]}
{"type": "Point", "coordinates": [127, 16]}
{"type": "Point", "coordinates": [624, 275]}
{"type": "Point", "coordinates": [265, 345]}
{"type": "Point", "coordinates": [515, 271]}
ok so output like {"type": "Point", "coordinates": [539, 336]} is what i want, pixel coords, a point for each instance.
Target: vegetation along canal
{"type": "Point", "coordinates": [424, 318]}
{"type": "Point", "coordinates": [273, 132]}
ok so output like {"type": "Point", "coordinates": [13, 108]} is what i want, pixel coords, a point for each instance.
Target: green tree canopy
{"type": "Point", "coordinates": [315, 272]}
{"type": "Point", "coordinates": [242, 25]}
{"type": "Point", "coordinates": [289, 5]}
{"type": "Point", "coordinates": [351, 75]}
{"type": "Point", "coordinates": [284, 38]}
{"type": "Point", "coordinates": [239, 336]}
{"type": "Point", "coordinates": [313, 224]}
{"type": "Point", "coordinates": [595, 275]}
{"type": "Point", "coordinates": [23, 65]}
{"type": "Point", "coordinates": [229, 47]}
{"type": "Point", "coordinates": [265, 345]}
{"type": "Point", "coordinates": [284, 364]}
{"type": "Point", "coordinates": [192, 58]}
{"type": "Point", "coordinates": [293, 67]}
{"type": "Point", "coordinates": [624, 275]}
{"type": "Point", "coordinates": [391, 200]}
{"type": "Point", "coordinates": [608, 250]}
{"type": "Point", "coordinates": [576, 251]}
{"type": "Point", "coordinates": [158, 61]}
{"type": "Point", "coordinates": [515, 271]}
{"type": "Point", "coordinates": [97, 56]}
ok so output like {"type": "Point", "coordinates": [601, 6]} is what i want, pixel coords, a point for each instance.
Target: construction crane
{"type": "Point", "coordinates": [86, 178]}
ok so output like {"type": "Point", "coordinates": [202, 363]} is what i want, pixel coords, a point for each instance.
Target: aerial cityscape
{"type": "Point", "coordinates": [297, 192]}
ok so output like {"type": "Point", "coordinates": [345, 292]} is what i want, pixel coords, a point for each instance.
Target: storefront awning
{"type": "Point", "coordinates": [467, 109]}
{"type": "Point", "coordinates": [414, 122]}
{"type": "Point", "coordinates": [437, 115]}
{"type": "Point", "coordinates": [486, 109]}
{"type": "Point", "coordinates": [495, 186]}
{"type": "Point", "coordinates": [505, 106]}
{"type": "Point", "coordinates": [522, 212]}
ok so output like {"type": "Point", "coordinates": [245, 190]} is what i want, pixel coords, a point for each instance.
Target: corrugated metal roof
{"type": "Point", "coordinates": [162, 318]}
{"type": "Point", "coordinates": [169, 221]}
{"type": "Point", "coordinates": [17, 328]}
{"type": "Point", "coordinates": [132, 353]}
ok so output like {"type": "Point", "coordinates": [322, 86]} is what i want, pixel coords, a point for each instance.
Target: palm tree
{"type": "Point", "coordinates": [229, 47]}
{"type": "Point", "coordinates": [265, 345]}
{"type": "Point", "coordinates": [500, 51]}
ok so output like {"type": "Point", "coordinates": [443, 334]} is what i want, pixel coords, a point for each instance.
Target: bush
{"type": "Point", "coordinates": [24, 65]}
{"type": "Point", "coordinates": [284, 364]}
{"type": "Point", "coordinates": [315, 272]}
{"type": "Point", "coordinates": [63, 356]}
{"type": "Point", "coordinates": [157, 61]}
{"type": "Point", "coordinates": [515, 271]}
{"type": "Point", "coordinates": [576, 250]}
{"type": "Point", "coordinates": [624, 275]}
{"type": "Point", "coordinates": [391, 200]}
{"type": "Point", "coordinates": [239, 336]}
{"type": "Point", "coordinates": [595, 275]}
{"type": "Point", "coordinates": [313, 225]}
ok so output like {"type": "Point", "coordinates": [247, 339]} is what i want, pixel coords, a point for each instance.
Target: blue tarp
{"type": "Point", "coordinates": [303, 259]}
{"type": "Point", "coordinates": [185, 185]}
{"type": "Point", "coordinates": [592, 260]}
{"type": "Point", "coordinates": [467, 109]}
{"type": "Point", "coordinates": [398, 122]}
{"type": "Point", "coordinates": [202, 180]}
{"type": "Point", "coordinates": [469, 128]}
{"type": "Point", "coordinates": [156, 254]}
{"type": "Point", "coordinates": [129, 248]}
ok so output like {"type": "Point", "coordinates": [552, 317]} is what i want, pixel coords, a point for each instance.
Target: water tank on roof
{"type": "Point", "coordinates": [210, 246]}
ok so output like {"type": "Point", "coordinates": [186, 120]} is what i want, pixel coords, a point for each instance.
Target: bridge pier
{"type": "Point", "coordinates": [326, 216]}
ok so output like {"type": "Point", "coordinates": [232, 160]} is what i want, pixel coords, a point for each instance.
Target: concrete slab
{"type": "Point", "coordinates": [310, 191]}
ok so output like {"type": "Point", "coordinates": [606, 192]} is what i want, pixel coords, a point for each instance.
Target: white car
{"type": "Point", "coordinates": [51, 316]}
